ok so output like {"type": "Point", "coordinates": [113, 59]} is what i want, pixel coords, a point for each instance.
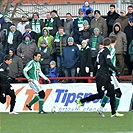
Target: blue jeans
{"type": "Point", "coordinates": [59, 65]}
{"type": "Point", "coordinates": [70, 72]}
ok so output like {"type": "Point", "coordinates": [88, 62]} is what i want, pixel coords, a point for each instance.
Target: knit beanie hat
{"type": "Point", "coordinates": [85, 22]}
{"type": "Point", "coordinates": [27, 34]}
{"type": "Point", "coordinates": [44, 42]}
{"type": "Point", "coordinates": [27, 26]}
{"type": "Point", "coordinates": [6, 16]}
{"type": "Point", "coordinates": [70, 39]}
{"type": "Point", "coordinates": [24, 15]}
{"type": "Point", "coordinates": [97, 29]}
{"type": "Point", "coordinates": [84, 41]}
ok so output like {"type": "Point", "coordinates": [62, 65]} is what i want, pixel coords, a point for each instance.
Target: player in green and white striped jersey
{"type": "Point", "coordinates": [32, 72]}
{"type": "Point", "coordinates": [114, 80]}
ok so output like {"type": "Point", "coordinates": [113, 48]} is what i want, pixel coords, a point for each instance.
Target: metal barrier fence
{"type": "Point", "coordinates": [89, 79]}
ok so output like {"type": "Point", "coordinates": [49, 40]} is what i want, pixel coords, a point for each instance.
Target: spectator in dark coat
{"type": "Point", "coordinates": [37, 24]}
{"type": "Point", "coordinates": [86, 33]}
{"type": "Point", "coordinates": [85, 61]}
{"type": "Point", "coordinates": [130, 11]}
{"type": "Point", "coordinates": [99, 22]}
{"type": "Point", "coordinates": [56, 23]}
{"type": "Point", "coordinates": [16, 67]}
{"type": "Point", "coordinates": [45, 57]}
{"type": "Point", "coordinates": [129, 34]}
{"type": "Point", "coordinates": [26, 49]}
{"type": "Point", "coordinates": [1, 19]}
{"type": "Point", "coordinates": [123, 20]}
{"type": "Point", "coordinates": [32, 33]}
{"type": "Point", "coordinates": [94, 43]}
{"type": "Point", "coordinates": [14, 39]}
{"type": "Point", "coordinates": [68, 24]}
{"type": "Point", "coordinates": [6, 28]}
{"type": "Point", "coordinates": [78, 26]}
{"type": "Point", "coordinates": [112, 15]}
{"type": "Point", "coordinates": [58, 45]}
{"type": "Point", "coordinates": [89, 16]}
{"type": "Point", "coordinates": [70, 57]}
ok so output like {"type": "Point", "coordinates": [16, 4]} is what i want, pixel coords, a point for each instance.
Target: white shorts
{"type": "Point", "coordinates": [35, 85]}
{"type": "Point", "coordinates": [115, 82]}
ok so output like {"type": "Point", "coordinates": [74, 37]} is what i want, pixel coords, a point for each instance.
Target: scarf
{"type": "Point", "coordinates": [43, 49]}
{"type": "Point", "coordinates": [10, 38]}
{"type": "Point", "coordinates": [80, 23]}
{"type": "Point", "coordinates": [50, 24]}
{"type": "Point", "coordinates": [57, 36]}
{"type": "Point", "coordinates": [36, 25]}
{"type": "Point", "coordinates": [94, 42]}
{"type": "Point", "coordinates": [27, 41]}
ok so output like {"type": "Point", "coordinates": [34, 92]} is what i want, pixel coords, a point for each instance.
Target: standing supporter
{"type": "Point", "coordinates": [99, 22]}
{"type": "Point", "coordinates": [16, 67]}
{"type": "Point", "coordinates": [112, 15]}
{"type": "Point", "coordinates": [94, 43]}
{"type": "Point", "coordinates": [121, 45]}
{"type": "Point", "coordinates": [33, 34]}
{"type": "Point", "coordinates": [14, 39]}
{"type": "Point", "coordinates": [85, 60]}
{"type": "Point", "coordinates": [53, 73]}
{"type": "Point", "coordinates": [78, 26]}
{"type": "Point", "coordinates": [55, 24]}
{"type": "Point", "coordinates": [130, 51]}
{"type": "Point", "coordinates": [103, 80]}
{"type": "Point", "coordinates": [26, 49]}
{"type": "Point", "coordinates": [130, 11]}
{"type": "Point", "coordinates": [45, 57]}
{"type": "Point", "coordinates": [21, 25]}
{"type": "Point", "coordinates": [131, 59]}
{"type": "Point", "coordinates": [1, 19]}
{"type": "Point", "coordinates": [6, 28]}
{"type": "Point", "coordinates": [49, 39]}
{"type": "Point", "coordinates": [5, 87]}
{"type": "Point", "coordinates": [1, 51]}
{"type": "Point", "coordinates": [129, 34]}
{"type": "Point", "coordinates": [32, 71]}
{"type": "Point", "coordinates": [86, 33]}
{"type": "Point", "coordinates": [7, 23]}
{"type": "Point", "coordinates": [68, 24]}
{"type": "Point", "coordinates": [86, 7]}
{"type": "Point", "coordinates": [37, 24]}
{"type": "Point", "coordinates": [70, 57]}
{"type": "Point", "coordinates": [58, 45]}
{"type": "Point", "coordinates": [49, 21]}
{"type": "Point", "coordinates": [123, 20]}
{"type": "Point", "coordinates": [89, 16]}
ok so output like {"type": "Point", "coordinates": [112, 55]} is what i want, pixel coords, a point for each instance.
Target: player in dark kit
{"type": "Point", "coordinates": [5, 87]}
{"type": "Point", "coordinates": [103, 80]}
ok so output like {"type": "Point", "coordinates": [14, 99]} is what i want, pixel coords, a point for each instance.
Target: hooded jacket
{"type": "Point", "coordinates": [121, 45]}
{"type": "Point", "coordinates": [27, 50]}
{"type": "Point", "coordinates": [48, 38]}
{"type": "Point", "coordinates": [16, 67]}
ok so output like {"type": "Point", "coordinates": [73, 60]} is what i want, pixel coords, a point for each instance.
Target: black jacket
{"type": "Point", "coordinates": [103, 62]}
{"type": "Point", "coordinates": [85, 61]}
{"type": "Point", "coordinates": [110, 20]}
{"type": "Point", "coordinates": [4, 83]}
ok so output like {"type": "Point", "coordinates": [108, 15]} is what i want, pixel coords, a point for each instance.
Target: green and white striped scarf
{"type": "Point", "coordinates": [36, 26]}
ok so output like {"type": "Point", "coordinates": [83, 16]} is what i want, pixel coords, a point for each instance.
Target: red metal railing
{"type": "Point", "coordinates": [90, 79]}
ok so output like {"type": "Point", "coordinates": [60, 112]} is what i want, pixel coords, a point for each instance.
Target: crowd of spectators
{"type": "Point", "coordinates": [72, 44]}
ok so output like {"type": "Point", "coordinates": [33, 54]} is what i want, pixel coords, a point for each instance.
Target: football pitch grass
{"type": "Point", "coordinates": [65, 122]}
